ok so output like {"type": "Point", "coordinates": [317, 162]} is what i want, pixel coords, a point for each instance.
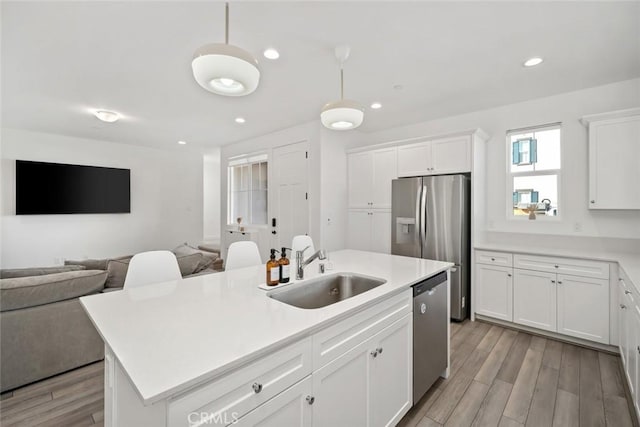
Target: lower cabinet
{"type": "Point", "coordinates": [534, 299]}
{"type": "Point", "coordinates": [583, 307]}
{"type": "Point", "coordinates": [629, 338]}
{"type": "Point", "coordinates": [369, 230]}
{"type": "Point", "coordinates": [494, 291]}
{"type": "Point", "coordinates": [292, 407]}
{"type": "Point", "coordinates": [370, 385]}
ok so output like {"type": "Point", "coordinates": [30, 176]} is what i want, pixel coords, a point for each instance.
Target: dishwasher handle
{"type": "Point", "coordinates": [429, 284]}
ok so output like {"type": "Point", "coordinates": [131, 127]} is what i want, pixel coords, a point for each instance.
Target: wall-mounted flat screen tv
{"type": "Point", "coordinates": [54, 188]}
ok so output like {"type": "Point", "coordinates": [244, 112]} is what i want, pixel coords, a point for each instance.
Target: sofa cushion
{"type": "Point", "coordinates": [13, 273]}
{"type": "Point", "coordinates": [117, 272]}
{"type": "Point", "coordinates": [90, 264]}
{"type": "Point", "coordinates": [21, 292]}
{"type": "Point", "coordinates": [206, 261]}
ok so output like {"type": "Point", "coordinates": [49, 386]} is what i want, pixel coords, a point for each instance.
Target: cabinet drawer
{"type": "Point", "coordinates": [336, 340]}
{"type": "Point", "coordinates": [245, 389]}
{"type": "Point", "coordinates": [494, 258]}
{"type": "Point", "coordinates": [573, 267]}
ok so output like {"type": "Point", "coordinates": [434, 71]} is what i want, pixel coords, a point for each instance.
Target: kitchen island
{"type": "Point", "coordinates": [215, 349]}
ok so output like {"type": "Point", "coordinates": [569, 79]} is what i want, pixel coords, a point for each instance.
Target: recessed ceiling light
{"type": "Point", "coordinates": [240, 120]}
{"type": "Point", "coordinates": [398, 87]}
{"type": "Point", "coordinates": [182, 142]}
{"type": "Point", "coordinates": [376, 105]}
{"type": "Point", "coordinates": [106, 116]}
{"type": "Point", "coordinates": [271, 53]}
{"type": "Point", "coordinates": [532, 62]}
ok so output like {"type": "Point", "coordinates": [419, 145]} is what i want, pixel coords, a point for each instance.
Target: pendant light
{"type": "Point", "coordinates": [225, 69]}
{"type": "Point", "coordinates": [344, 114]}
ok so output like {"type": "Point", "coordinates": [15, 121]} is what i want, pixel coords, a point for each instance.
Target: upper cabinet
{"type": "Point", "coordinates": [436, 156]}
{"type": "Point", "coordinates": [614, 149]}
{"type": "Point", "coordinates": [370, 176]}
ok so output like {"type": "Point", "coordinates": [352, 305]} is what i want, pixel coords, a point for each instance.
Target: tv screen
{"type": "Point", "coordinates": [53, 188]}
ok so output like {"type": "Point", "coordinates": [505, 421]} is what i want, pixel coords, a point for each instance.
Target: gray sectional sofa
{"type": "Point", "coordinates": [44, 330]}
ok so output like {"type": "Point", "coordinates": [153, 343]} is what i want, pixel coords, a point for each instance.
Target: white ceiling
{"type": "Point", "coordinates": [60, 59]}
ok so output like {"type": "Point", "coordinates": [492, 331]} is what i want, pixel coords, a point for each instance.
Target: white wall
{"type": "Point", "coordinates": [166, 202]}
{"type": "Point", "coordinates": [567, 108]}
{"type": "Point", "coordinates": [211, 195]}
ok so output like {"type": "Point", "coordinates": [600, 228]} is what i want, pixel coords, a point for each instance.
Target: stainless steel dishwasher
{"type": "Point", "coordinates": [430, 323]}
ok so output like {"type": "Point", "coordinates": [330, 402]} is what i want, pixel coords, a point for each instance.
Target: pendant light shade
{"type": "Point", "coordinates": [225, 69]}
{"type": "Point", "coordinates": [344, 114]}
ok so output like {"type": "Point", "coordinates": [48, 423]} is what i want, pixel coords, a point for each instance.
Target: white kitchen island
{"type": "Point", "coordinates": [216, 350]}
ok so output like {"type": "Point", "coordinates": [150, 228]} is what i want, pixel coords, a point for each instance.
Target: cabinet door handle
{"type": "Point", "coordinates": [622, 306]}
{"type": "Point", "coordinates": [310, 400]}
{"type": "Point", "coordinates": [257, 387]}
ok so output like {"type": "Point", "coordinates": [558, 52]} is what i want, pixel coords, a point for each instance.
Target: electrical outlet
{"type": "Point", "coordinates": [577, 227]}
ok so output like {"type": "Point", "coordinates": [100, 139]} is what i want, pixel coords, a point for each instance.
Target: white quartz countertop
{"type": "Point", "coordinates": [629, 262]}
{"type": "Point", "coordinates": [171, 336]}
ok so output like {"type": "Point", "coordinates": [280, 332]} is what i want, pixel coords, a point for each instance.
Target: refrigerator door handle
{"type": "Point", "coordinates": [417, 233]}
{"type": "Point", "coordinates": [423, 218]}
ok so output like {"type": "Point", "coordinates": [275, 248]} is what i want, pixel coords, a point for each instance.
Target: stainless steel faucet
{"type": "Point", "coordinates": [301, 264]}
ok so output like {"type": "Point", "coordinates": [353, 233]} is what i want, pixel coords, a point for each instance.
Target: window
{"type": "Point", "coordinates": [534, 170]}
{"type": "Point", "coordinates": [248, 190]}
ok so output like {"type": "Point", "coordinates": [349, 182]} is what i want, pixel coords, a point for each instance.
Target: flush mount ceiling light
{"type": "Point", "coordinates": [344, 114]}
{"type": "Point", "coordinates": [533, 62]}
{"type": "Point", "coordinates": [106, 116]}
{"type": "Point", "coordinates": [376, 105]}
{"type": "Point", "coordinates": [225, 69]}
{"type": "Point", "coordinates": [182, 142]}
{"type": "Point", "coordinates": [240, 120]}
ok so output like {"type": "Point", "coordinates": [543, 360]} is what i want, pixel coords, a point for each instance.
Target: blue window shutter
{"type": "Point", "coordinates": [534, 197]}
{"type": "Point", "coordinates": [516, 198]}
{"type": "Point", "coordinates": [533, 147]}
{"type": "Point", "coordinates": [516, 153]}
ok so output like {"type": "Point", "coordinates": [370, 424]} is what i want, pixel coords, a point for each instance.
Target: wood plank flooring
{"type": "Point", "coordinates": [505, 378]}
{"type": "Point", "coordinates": [499, 378]}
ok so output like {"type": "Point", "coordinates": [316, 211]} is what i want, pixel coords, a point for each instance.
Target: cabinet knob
{"type": "Point", "coordinates": [627, 292]}
{"type": "Point", "coordinates": [559, 282]}
{"type": "Point", "coordinates": [622, 306]}
{"type": "Point", "coordinates": [556, 266]}
{"type": "Point", "coordinates": [493, 259]}
{"type": "Point", "coordinates": [379, 350]}
{"type": "Point", "coordinates": [374, 353]}
{"type": "Point", "coordinates": [310, 400]}
{"type": "Point", "coordinates": [553, 281]}
{"type": "Point", "coordinates": [257, 387]}
{"type": "Point", "coordinates": [592, 201]}
{"type": "Point", "coordinates": [638, 348]}
{"type": "Point", "coordinates": [508, 274]}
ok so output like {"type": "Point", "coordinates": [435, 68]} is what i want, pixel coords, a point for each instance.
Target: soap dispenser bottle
{"type": "Point", "coordinates": [284, 266]}
{"type": "Point", "coordinates": [273, 270]}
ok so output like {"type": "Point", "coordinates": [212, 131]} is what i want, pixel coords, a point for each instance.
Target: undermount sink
{"type": "Point", "coordinates": [326, 290]}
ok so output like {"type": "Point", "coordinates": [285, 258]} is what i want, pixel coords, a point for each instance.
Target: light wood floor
{"type": "Point", "coordinates": [499, 377]}
{"type": "Point", "coordinates": [502, 377]}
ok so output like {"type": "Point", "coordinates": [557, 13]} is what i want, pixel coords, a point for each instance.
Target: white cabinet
{"type": "Point", "coordinates": [369, 230]}
{"type": "Point", "coordinates": [370, 385]}
{"type": "Point", "coordinates": [292, 407]}
{"type": "Point", "coordinates": [534, 299]}
{"type": "Point", "coordinates": [629, 337]}
{"type": "Point", "coordinates": [614, 149]}
{"type": "Point", "coordinates": [494, 291]}
{"type": "Point", "coordinates": [369, 178]}
{"type": "Point", "coordinates": [437, 156]}
{"type": "Point", "coordinates": [583, 307]}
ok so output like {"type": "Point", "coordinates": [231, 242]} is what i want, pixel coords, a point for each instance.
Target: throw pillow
{"type": "Point", "coordinates": [117, 272]}
{"type": "Point", "coordinates": [90, 264]}
{"type": "Point", "coordinates": [206, 261]}
{"type": "Point", "coordinates": [189, 263]}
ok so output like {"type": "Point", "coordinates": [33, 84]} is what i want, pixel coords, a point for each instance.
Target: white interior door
{"type": "Point", "coordinates": [290, 206]}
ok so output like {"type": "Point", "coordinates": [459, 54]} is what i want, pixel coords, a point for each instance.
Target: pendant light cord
{"type": "Point", "coordinates": [226, 23]}
{"type": "Point", "coordinates": [341, 83]}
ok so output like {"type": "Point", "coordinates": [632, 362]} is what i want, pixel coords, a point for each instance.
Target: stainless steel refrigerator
{"type": "Point", "coordinates": [430, 219]}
